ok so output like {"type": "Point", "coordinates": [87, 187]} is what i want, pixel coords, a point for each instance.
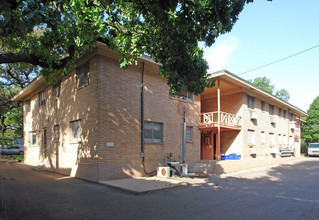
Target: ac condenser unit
{"type": "Point", "coordinates": [163, 172]}
{"type": "Point", "coordinates": [253, 150]}
{"type": "Point", "coordinates": [273, 120]}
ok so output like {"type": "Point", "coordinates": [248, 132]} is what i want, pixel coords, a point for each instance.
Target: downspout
{"type": "Point", "coordinates": [184, 137]}
{"type": "Point", "coordinates": [142, 123]}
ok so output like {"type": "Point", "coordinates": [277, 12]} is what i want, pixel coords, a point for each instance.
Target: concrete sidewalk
{"type": "Point", "coordinates": [143, 185]}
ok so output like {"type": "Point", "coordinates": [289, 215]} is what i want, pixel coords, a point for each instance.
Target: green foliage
{"type": "Point", "coordinates": [265, 84]}
{"type": "Point", "coordinates": [53, 34]}
{"type": "Point", "coordinates": [283, 94]}
{"type": "Point", "coordinates": [310, 130]}
{"type": "Point", "coordinates": [13, 77]}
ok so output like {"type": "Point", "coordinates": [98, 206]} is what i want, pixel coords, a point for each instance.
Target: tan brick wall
{"type": "Point", "coordinates": [120, 119]}
{"type": "Point", "coordinates": [73, 104]}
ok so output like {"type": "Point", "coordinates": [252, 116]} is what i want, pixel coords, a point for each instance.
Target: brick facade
{"type": "Point", "coordinates": [109, 110]}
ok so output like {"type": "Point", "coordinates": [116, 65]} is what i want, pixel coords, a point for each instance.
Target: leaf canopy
{"type": "Point", "coordinates": [53, 34]}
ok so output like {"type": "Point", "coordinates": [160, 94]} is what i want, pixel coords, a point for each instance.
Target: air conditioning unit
{"type": "Point", "coordinates": [164, 172]}
{"type": "Point", "coordinates": [273, 120]}
{"type": "Point", "coordinates": [253, 150]}
{"type": "Point", "coordinates": [253, 115]}
{"type": "Point", "coordinates": [292, 126]}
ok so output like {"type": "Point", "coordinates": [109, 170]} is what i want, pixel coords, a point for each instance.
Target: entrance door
{"type": "Point", "coordinates": [207, 146]}
{"type": "Point", "coordinates": [44, 142]}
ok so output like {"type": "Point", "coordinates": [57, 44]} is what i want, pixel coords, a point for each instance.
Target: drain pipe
{"type": "Point", "coordinates": [184, 137]}
{"type": "Point", "coordinates": [142, 123]}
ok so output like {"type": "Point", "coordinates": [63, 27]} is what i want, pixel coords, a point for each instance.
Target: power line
{"type": "Point", "coordinates": [279, 60]}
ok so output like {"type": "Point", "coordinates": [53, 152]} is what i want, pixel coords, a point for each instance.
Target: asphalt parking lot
{"type": "Point", "coordinates": [286, 191]}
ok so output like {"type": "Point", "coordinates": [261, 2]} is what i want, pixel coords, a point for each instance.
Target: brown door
{"type": "Point", "coordinates": [207, 146]}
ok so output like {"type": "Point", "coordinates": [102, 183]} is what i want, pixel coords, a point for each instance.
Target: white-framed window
{"type": "Point", "coordinates": [153, 132]}
{"type": "Point", "coordinates": [263, 137]}
{"type": "Point", "coordinates": [280, 139]}
{"type": "Point", "coordinates": [184, 95]}
{"type": "Point", "coordinates": [271, 139]}
{"type": "Point", "coordinates": [251, 137]}
{"type": "Point", "coordinates": [82, 73]}
{"type": "Point", "coordinates": [41, 98]}
{"type": "Point", "coordinates": [56, 133]}
{"type": "Point", "coordinates": [291, 141]}
{"type": "Point", "coordinates": [284, 140]}
{"type": "Point", "coordinates": [56, 89]}
{"type": "Point", "coordinates": [189, 133]}
{"type": "Point", "coordinates": [33, 138]}
{"type": "Point", "coordinates": [76, 131]}
{"type": "Point", "coordinates": [251, 101]}
{"type": "Point", "coordinates": [271, 109]}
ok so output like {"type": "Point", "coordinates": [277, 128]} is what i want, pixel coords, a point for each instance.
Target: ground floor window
{"type": "Point", "coordinates": [33, 138]}
{"type": "Point", "coordinates": [189, 133]}
{"type": "Point", "coordinates": [76, 131]}
{"type": "Point", "coordinates": [251, 137]}
{"type": "Point", "coordinates": [153, 132]}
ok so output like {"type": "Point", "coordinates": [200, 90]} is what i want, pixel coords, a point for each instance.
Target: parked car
{"type": "Point", "coordinates": [313, 149]}
{"type": "Point", "coordinates": [13, 150]}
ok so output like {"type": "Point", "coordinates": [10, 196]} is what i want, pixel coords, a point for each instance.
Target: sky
{"type": "Point", "coordinates": [268, 31]}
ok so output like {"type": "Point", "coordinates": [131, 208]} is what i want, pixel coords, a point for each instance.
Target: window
{"type": "Point", "coordinates": [56, 89]}
{"type": "Point", "coordinates": [251, 101]}
{"type": "Point", "coordinates": [262, 105]}
{"type": "Point", "coordinates": [280, 139]}
{"type": "Point", "coordinates": [279, 112]}
{"type": "Point", "coordinates": [251, 137]}
{"type": "Point", "coordinates": [56, 133]}
{"type": "Point", "coordinates": [291, 116]}
{"type": "Point", "coordinates": [284, 114]}
{"type": "Point", "coordinates": [284, 139]}
{"type": "Point", "coordinates": [41, 98]}
{"type": "Point", "coordinates": [33, 138]}
{"type": "Point", "coordinates": [271, 139]}
{"type": "Point", "coordinates": [76, 131]}
{"type": "Point", "coordinates": [271, 109]}
{"type": "Point", "coordinates": [82, 75]}
{"type": "Point", "coordinates": [184, 95]}
{"type": "Point", "coordinates": [263, 137]}
{"type": "Point", "coordinates": [153, 132]}
{"type": "Point", "coordinates": [28, 105]}
{"type": "Point", "coordinates": [189, 133]}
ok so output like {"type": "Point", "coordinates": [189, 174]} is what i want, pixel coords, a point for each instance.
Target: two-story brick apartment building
{"type": "Point", "coordinates": [88, 125]}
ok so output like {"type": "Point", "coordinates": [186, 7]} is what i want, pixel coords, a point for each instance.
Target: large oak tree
{"type": "Point", "coordinates": [53, 34]}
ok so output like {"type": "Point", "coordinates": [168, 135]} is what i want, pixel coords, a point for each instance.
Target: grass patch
{"type": "Point", "coordinates": [20, 158]}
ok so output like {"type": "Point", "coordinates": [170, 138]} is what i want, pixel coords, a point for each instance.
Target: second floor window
{"type": "Point", "coordinates": [41, 98]}
{"type": "Point", "coordinates": [262, 105]}
{"type": "Point", "coordinates": [279, 112]}
{"type": "Point", "coordinates": [82, 73]}
{"type": "Point", "coordinates": [251, 101]}
{"type": "Point", "coordinates": [271, 109]}
{"type": "Point", "coordinates": [56, 89]}
{"type": "Point", "coordinates": [184, 95]}
{"type": "Point", "coordinates": [291, 116]}
{"type": "Point", "coordinates": [28, 105]}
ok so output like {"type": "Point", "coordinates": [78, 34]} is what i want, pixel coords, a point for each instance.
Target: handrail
{"type": "Point", "coordinates": [225, 118]}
